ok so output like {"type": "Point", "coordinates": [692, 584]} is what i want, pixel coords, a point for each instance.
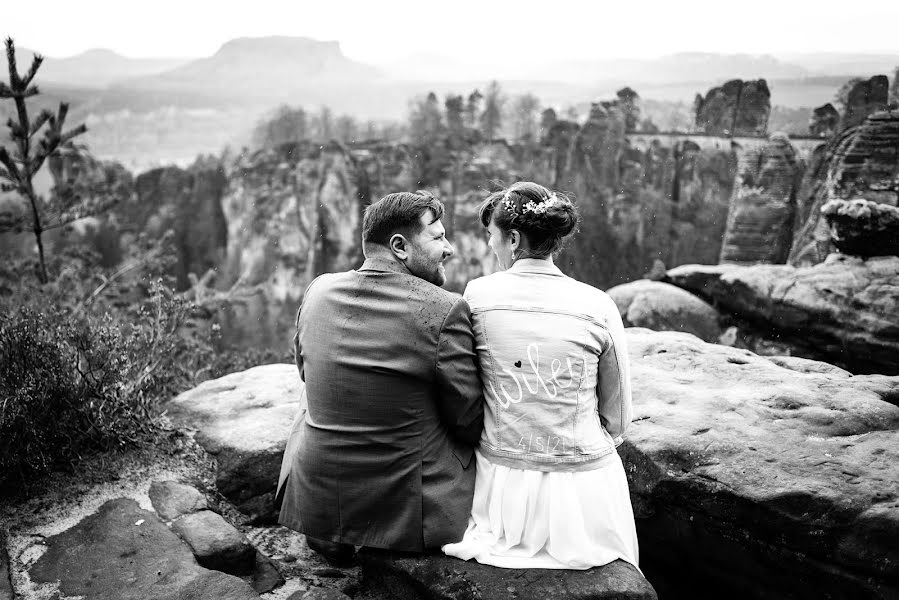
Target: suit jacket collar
{"type": "Point", "coordinates": [383, 265]}
{"type": "Point", "coordinates": [534, 265]}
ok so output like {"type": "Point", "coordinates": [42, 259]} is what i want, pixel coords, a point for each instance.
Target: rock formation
{"type": "Point", "coordinates": [862, 162]}
{"type": "Point", "coordinates": [758, 481]}
{"type": "Point", "coordinates": [864, 98]}
{"type": "Point", "coordinates": [844, 311]}
{"type": "Point", "coordinates": [863, 228]}
{"type": "Point", "coordinates": [763, 205]}
{"type": "Point", "coordinates": [736, 108]}
{"type": "Point", "coordinates": [825, 121]}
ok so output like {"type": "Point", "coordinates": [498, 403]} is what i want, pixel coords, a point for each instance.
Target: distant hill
{"type": "Point", "coordinates": [247, 65]}
{"type": "Point", "coordinates": [96, 68]}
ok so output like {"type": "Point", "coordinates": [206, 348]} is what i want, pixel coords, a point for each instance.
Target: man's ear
{"type": "Point", "coordinates": [399, 246]}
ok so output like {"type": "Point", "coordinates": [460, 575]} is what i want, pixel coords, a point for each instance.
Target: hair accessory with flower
{"type": "Point", "coordinates": [530, 206]}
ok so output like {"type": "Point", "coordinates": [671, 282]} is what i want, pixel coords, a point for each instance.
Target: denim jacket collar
{"type": "Point", "coordinates": [535, 265]}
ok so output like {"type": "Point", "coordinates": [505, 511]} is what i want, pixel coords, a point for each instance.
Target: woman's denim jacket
{"type": "Point", "coordinates": [555, 369]}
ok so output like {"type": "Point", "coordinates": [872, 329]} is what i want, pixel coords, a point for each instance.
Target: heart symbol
{"type": "Point", "coordinates": [518, 363]}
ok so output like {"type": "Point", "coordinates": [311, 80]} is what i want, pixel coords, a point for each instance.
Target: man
{"type": "Point", "coordinates": [383, 456]}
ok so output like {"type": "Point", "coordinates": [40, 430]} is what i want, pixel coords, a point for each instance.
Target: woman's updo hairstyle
{"type": "Point", "coordinates": [544, 217]}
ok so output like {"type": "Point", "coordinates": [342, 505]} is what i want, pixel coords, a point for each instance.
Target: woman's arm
{"type": "Point", "coordinates": [614, 385]}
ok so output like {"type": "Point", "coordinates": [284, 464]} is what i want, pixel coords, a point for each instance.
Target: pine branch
{"type": "Point", "coordinates": [35, 65]}
{"type": "Point", "coordinates": [11, 168]}
{"type": "Point", "coordinates": [14, 80]}
{"type": "Point", "coordinates": [32, 91]}
{"type": "Point", "coordinates": [5, 91]}
{"type": "Point", "coordinates": [39, 121]}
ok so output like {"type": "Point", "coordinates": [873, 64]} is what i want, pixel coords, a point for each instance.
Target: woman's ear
{"type": "Point", "coordinates": [399, 246]}
{"type": "Point", "coordinates": [515, 239]}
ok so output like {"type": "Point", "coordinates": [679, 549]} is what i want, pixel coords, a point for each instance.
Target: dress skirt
{"type": "Point", "coordinates": [523, 519]}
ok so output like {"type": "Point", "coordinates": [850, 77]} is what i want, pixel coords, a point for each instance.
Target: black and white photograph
{"type": "Point", "coordinates": [472, 300]}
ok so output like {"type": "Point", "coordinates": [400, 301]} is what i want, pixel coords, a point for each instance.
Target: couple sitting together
{"type": "Point", "coordinates": [484, 424]}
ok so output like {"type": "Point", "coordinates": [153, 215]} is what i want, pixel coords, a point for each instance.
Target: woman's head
{"type": "Point", "coordinates": [526, 220]}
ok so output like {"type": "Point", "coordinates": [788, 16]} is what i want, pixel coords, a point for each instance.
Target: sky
{"type": "Point", "coordinates": [379, 31]}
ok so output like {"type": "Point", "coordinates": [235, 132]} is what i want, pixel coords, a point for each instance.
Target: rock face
{"type": "Point", "coordinates": [739, 467]}
{"type": "Point", "coordinates": [444, 578]}
{"type": "Point", "coordinates": [123, 552]}
{"type": "Point", "coordinates": [664, 307]}
{"type": "Point", "coordinates": [862, 162]}
{"type": "Point", "coordinates": [243, 420]}
{"type": "Point", "coordinates": [844, 311]}
{"type": "Point", "coordinates": [865, 98]}
{"type": "Point", "coordinates": [863, 228]}
{"type": "Point", "coordinates": [6, 590]}
{"type": "Point", "coordinates": [736, 108]}
{"type": "Point", "coordinates": [825, 121]}
{"type": "Point", "coordinates": [763, 205]}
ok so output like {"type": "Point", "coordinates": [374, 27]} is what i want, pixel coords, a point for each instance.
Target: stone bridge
{"type": "Point", "coordinates": [804, 145]}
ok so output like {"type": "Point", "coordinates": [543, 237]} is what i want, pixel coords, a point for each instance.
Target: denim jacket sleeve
{"type": "Point", "coordinates": [461, 401]}
{"type": "Point", "coordinates": [614, 385]}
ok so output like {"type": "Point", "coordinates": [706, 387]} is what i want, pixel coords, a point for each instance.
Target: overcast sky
{"type": "Point", "coordinates": [522, 30]}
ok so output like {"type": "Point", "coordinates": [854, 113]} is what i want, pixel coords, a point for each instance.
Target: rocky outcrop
{"type": "Point", "coordinates": [736, 108]}
{"type": "Point", "coordinates": [863, 228]}
{"type": "Point", "coordinates": [444, 578]}
{"type": "Point", "coordinates": [664, 307]}
{"type": "Point", "coordinates": [825, 121]}
{"type": "Point", "coordinates": [864, 98]}
{"type": "Point", "coordinates": [123, 552]}
{"type": "Point", "coordinates": [171, 499]}
{"type": "Point", "coordinates": [216, 544]}
{"type": "Point", "coordinates": [862, 162]}
{"type": "Point", "coordinates": [844, 311]}
{"type": "Point", "coordinates": [763, 205]}
{"type": "Point", "coordinates": [740, 467]}
{"type": "Point", "coordinates": [243, 420]}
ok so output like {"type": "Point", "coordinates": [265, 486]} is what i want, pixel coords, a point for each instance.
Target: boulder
{"type": "Point", "coordinates": [318, 593]}
{"type": "Point", "coordinates": [216, 543]}
{"type": "Point", "coordinates": [171, 499]}
{"type": "Point", "coordinates": [664, 307]}
{"type": "Point", "coordinates": [266, 575]}
{"type": "Point", "coordinates": [123, 552]}
{"type": "Point", "coordinates": [440, 577]}
{"type": "Point", "coordinates": [243, 420]}
{"type": "Point", "coordinates": [760, 481]}
{"type": "Point", "coordinates": [844, 311]}
{"type": "Point", "coordinates": [6, 589]}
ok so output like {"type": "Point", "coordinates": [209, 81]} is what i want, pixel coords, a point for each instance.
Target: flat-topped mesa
{"type": "Point", "coordinates": [862, 162]}
{"type": "Point", "coordinates": [736, 108]}
{"type": "Point", "coordinates": [763, 205]}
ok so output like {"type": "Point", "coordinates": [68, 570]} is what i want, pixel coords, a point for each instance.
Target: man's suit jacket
{"type": "Point", "coordinates": [383, 455]}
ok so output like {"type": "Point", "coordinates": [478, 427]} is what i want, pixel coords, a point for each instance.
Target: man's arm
{"type": "Point", "coordinates": [297, 343]}
{"type": "Point", "coordinates": [461, 399]}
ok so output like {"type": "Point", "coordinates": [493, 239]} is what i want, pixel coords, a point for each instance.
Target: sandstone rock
{"type": "Point", "coordinates": [216, 543]}
{"type": "Point", "coordinates": [805, 365]}
{"type": "Point", "coordinates": [440, 577]}
{"type": "Point", "coordinates": [664, 307]}
{"type": "Point", "coordinates": [243, 419]}
{"type": "Point", "coordinates": [266, 575]}
{"type": "Point", "coordinates": [760, 481]}
{"type": "Point", "coordinates": [736, 108]}
{"type": "Point", "coordinates": [863, 228]}
{"type": "Point", "coordinates": [844, 311]}
{"type": "Point", "coordinates": [125, 553]}
{"type": "Point", "coordinates": [864, 98]}
{"type": "Point", "coordinates": [824, 121]}
{"type": "Point", "coordinates": [862, 162]}
{"type": "Point", "coordinates": [763, 205]}
{"type": "Point", "coordinates": [319, 593]}
{"type": "Point", "coordinates": [6, 589]}
{"type": "Point", "coordinates": [172, 499]}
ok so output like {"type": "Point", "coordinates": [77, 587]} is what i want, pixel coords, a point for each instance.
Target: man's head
{"type": "Point", "coordinates": [407, 226]}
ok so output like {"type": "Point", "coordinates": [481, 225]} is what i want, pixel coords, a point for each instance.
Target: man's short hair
{"type": "Point", "coordinates": [398, 213]}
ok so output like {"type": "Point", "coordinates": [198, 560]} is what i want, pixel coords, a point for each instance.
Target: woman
{"type": "Point", "coordinates": [551, 491]}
